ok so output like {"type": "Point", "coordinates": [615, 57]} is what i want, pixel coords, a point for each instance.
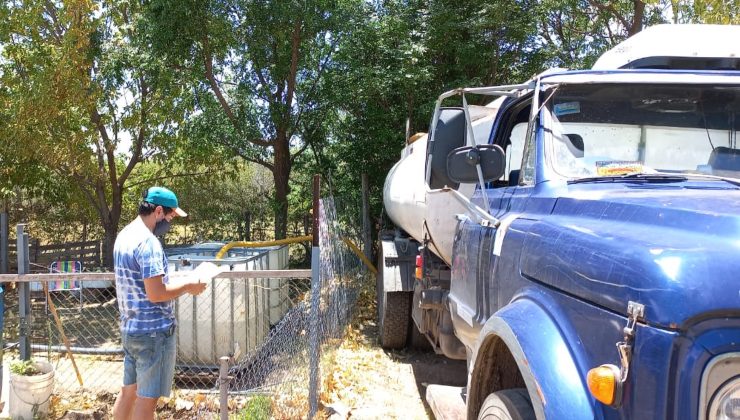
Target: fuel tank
{"type": "Point", "coordinates": [404, 190]}
{"type": "Point", "coordinates": [425, 212]}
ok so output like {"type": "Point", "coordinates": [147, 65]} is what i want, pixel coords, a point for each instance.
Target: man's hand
{"type": "Point", "coordinates": [196, 288]}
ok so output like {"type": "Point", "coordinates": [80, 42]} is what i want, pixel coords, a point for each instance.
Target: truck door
{"type": "Point", "coordinates": [441, 202]}
{"type": "Point", "coordinates": [477, 250]}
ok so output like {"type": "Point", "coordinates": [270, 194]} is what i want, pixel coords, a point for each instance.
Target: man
{"type": "Point", "coordinates": [146, 302]}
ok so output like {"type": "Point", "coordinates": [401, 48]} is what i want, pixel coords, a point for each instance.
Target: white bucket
{"type": "Point", "coordinates": [29, 395]}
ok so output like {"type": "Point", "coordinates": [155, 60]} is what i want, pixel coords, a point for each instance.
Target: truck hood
{"type": "Point", "coordinates": [674, 249]}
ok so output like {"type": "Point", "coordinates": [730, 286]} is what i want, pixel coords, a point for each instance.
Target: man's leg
{"type": "Point", "coordinates": [155, 370]}
{"type": "Point", "coordinates": [124, 406]}
{"type": "Point", "coordinates": [144, 408]}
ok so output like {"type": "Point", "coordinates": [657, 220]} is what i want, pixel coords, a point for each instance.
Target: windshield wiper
{"type": "Point", "coordinates": [639, 177]}
{"type": "Point", "coordinates": [656, 177]}
{"type": "Point", "coordinates": [733, 181]}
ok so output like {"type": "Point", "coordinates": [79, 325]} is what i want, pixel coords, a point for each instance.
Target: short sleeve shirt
{"type": "Point", "coordinates": [138, 255]}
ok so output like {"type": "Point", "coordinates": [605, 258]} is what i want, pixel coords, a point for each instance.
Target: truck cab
{"type": "Point", "coordinates": [616, 248]}
{"type": "Point", "coordinates": [593, 270]}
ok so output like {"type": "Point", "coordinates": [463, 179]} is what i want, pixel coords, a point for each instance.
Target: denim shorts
{"type": "Point", "coordinates": [149, 362]}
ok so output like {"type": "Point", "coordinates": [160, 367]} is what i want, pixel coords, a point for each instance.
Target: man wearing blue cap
{"type": "Point", "coordinates": [146, 302]}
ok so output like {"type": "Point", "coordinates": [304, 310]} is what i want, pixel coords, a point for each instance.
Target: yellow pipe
{"type": "Point", "coordinates": [359, 253]}
{"type": "Point", "coordinates": [243, 244]}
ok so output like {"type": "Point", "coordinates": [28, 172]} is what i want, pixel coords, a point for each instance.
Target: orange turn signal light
{"type": "Point", "coordinates": [605, 384]}
{"type": "Point", "coordinates": [419, 263]}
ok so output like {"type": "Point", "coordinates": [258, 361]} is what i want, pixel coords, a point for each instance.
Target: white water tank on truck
{"type": "Point", "coordinates": [418, 196]}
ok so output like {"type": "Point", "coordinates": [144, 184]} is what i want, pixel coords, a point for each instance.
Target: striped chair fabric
{"type": "Point", "coordinates": [64, 267]}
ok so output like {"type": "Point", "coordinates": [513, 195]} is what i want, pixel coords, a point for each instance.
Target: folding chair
{"type": "Point", "coordinates": [66, 285]}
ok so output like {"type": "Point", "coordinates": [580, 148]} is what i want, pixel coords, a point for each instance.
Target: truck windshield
{"type": "Point", "coordinates": [600, 130]}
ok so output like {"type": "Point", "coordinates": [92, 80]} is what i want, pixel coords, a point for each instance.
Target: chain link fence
{"type": "Point", "coordinates": [261, 326]}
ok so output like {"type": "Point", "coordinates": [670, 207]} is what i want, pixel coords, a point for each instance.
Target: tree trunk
{"type": "Point", "coordinates": [281, 204]}
{"type": "Point", "coordinates": [367, 244]}
{"type": "Point", "coordinates": [247, 226]}
{"type": "Point", "coordinates": [281, 175]}
{"type": "Point", "coordinates": [109, 239]}
{"type": "Point", "coordinates": [110, 217]}
{"type": "Point", "coordinates": [636, 26]}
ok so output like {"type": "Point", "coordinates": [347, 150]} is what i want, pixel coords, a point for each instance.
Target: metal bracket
{"type": "Point", "coordinates": [394, 261]}
{"type": "Point", "coordinates": [635, 312]}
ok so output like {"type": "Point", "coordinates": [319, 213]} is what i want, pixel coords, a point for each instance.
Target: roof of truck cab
{"type": "Point", "coordinates": [663, 46]}
{"type": "Point", "coordinates": [688, 77]}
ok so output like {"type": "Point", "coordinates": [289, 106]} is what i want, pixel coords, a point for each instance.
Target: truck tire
{"type": "Point", "coordinates": [417, 340]}
{"type": "Point", "coordinates": [507, 404]}
{"type": "Point", "coordinates": [394, 316]}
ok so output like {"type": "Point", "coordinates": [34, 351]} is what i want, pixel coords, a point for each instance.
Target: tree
{"type": "Point", "coordinates": [706, 11]}
{"type": "Point", "coordinates": [256, 68]}
{"type": "Point", "coordinates": [398, 59]}
{"type": "Point", "coordinates": [80, 82]}
{"type": "Point", "coordinates": [576, 32]}
{"type": "Point", "coordinates": [218, 202]}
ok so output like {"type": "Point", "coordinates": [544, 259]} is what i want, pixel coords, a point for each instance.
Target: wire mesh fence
{"type": "Point", "coordinates": [262, 325]}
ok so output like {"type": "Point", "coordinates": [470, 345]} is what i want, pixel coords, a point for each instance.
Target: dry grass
{"type": "Point", "coordinates": [366, 382]}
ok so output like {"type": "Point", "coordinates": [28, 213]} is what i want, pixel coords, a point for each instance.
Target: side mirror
{"type": "Point", "coordinates": [462, 162]}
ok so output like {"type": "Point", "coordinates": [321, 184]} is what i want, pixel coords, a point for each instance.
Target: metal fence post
{"type": "Point", "coordinates": [4, 263]}
{"type": "Point", "coordinates": [224, 380]}
{"type": "Point", "coordinates": [4, 266]}
{"type": "Point", "coordinates": [24, 295]}
{"type": "Point", "coordinates": [314, 350]}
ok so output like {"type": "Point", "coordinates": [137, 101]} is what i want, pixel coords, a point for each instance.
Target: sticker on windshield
{"type": "Point", "coordinates": [618, 167]}
{"type": "Point", "coordinates": [566, 108]}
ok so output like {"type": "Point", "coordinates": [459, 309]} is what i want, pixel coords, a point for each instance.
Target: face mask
{"type": "Point", "coordinates": [161, 227]}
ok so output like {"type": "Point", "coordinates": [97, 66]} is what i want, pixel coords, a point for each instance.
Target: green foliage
{"type": "Point", "coordinates": [216, 202]}
{"type": "Point", "coordinates": [24, 368]}
{"type": "Point", "coordinates": [575, 32]}
{"type": "Point", "coordinates": [257, 71]}
{"type": "Point", "coordinates": [235, 104]}
{"type": "Point", "coordinates": [86, 102]}
{"type": "Point", "coordinates": [706, 11]}
{"type": "Point", "coordinates": [257, 408]}
{"type": "Point", "coordinates": [397, 59]}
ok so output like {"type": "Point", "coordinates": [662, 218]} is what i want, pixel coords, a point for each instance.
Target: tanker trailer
{"type": "Point", "coordinates": [422, 202]}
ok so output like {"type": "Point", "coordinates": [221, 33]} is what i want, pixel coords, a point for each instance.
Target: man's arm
{"type": "Point", "coordinates": [157, 291]}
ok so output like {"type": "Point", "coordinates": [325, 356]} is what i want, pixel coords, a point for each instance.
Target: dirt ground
{"type": "Point", "coordinates": [361, 381]}
{"type": "Point", "coordinates": [370, 383]}
{"type": "Point", "coordinates": [364, 382]}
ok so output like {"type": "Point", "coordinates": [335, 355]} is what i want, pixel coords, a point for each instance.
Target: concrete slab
{"type": "Point", "coordinates": [446, 402]}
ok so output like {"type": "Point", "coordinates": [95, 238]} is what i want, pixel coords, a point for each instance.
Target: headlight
{"type": "Point", "coordinates": [720, 388]}
{"type": "Point", "coordinates": [725, 404]}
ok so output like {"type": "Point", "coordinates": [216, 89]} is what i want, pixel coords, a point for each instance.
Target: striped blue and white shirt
{"type": "Point", "coordinates": [138, 255]}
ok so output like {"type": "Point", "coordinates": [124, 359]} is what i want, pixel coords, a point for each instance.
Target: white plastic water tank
{"type": "Point", "coordinates": [230, 314]}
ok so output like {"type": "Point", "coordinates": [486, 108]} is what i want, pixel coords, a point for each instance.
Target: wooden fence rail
{"type": "Point", "coordinates": [87, 252]}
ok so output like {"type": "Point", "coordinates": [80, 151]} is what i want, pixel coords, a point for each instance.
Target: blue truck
{"type": "Point", "coordinates": [576, 240]}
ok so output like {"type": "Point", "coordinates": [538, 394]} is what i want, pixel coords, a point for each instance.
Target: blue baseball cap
{"type": "Point", "coordinates": [163, 197]}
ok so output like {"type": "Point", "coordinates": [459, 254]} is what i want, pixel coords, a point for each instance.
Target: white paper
{"type": "Point", "coordinates": [204, 272]}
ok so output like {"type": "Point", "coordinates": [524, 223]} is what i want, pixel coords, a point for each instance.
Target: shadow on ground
{"type": "Point", "coordinates": [428, 368]}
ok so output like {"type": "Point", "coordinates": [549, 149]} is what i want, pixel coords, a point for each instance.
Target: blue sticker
{"type": "Point", "coordinates": [567, 108]}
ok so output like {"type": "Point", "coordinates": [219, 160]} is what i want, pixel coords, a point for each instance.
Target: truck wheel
{"type": "Point", "coordinates": [417, 340]}
{"type": "Point", "coordinates": [507, 404]}
{"type": "Point", "coordinates": [393, 313]}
